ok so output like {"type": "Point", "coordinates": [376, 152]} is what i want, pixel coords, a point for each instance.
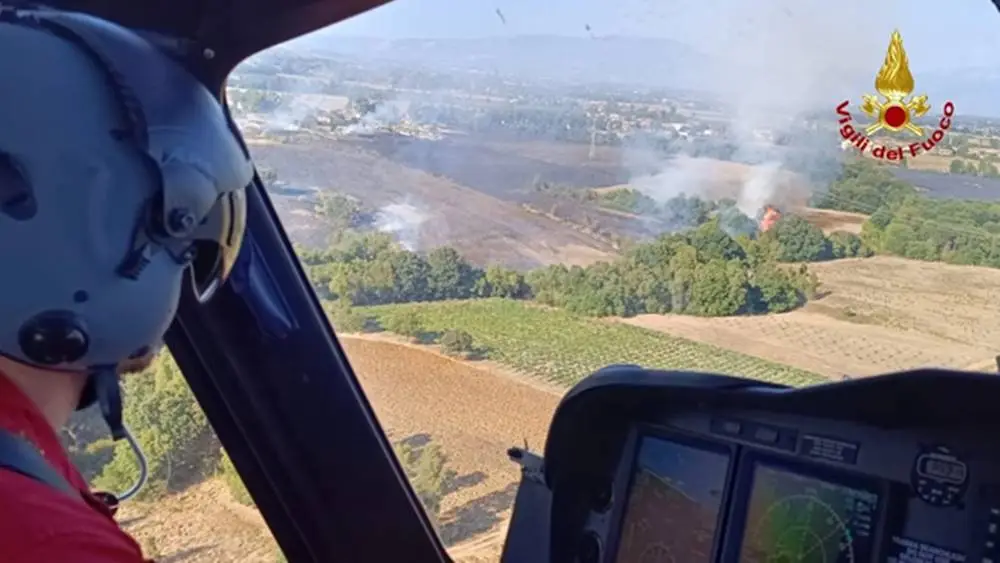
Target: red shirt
{"type": "Point", "coordinates": [40, 524]}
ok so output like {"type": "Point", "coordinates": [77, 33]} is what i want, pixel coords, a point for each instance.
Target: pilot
{"type": "Point", "coordinates": [121, 186]}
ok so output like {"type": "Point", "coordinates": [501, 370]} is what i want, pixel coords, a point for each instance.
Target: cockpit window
{"type": "Point", "coordinates": [494, 200]}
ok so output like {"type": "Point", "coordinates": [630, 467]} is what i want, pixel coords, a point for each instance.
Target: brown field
{"type": "Point", "coordinates": [878, 315]}
{"type": "Point", "coordinates": [931, 162]}
{"type": "Point", "coordinates": [564, 154]}
{"type": "Point", "coordinates": [484, 228]}
{"type": "Point", "coordinates": [831, 221]}
{"type": "Point", "coordinates": [418, 395]}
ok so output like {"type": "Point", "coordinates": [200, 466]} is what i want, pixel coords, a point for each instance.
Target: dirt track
{"type": "Point", "coordinates": [474, 415]}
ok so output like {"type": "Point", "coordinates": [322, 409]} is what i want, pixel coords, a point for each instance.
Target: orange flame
{"type": "Point", "coordinates": [771, 216]}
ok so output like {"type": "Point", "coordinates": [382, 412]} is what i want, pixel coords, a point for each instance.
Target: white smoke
{"type": "Point", "coordinates": [774, 64]}
{"type": "Point", "coordinates": [758, 189]}
{"type": "Point", "coordinates": [403, 221]}
{"type": "Point", "coordinates": [386, 113]}
{"type": "Point", "coordinates": [289, 115]}
{"type": "Point", "coordinates": [681, 175]}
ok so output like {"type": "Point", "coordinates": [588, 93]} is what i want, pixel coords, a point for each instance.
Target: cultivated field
{"type": "Point", "coordinates": [931, 163]}
{"type": "Point", "coordinates": [418, 395]}
{"type": "Point", "coordinates": [878, 315]}
{"type": "Point", "coordinates": [562, 348]}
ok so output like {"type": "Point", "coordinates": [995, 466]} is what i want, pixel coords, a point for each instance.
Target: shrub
{"type": "Point", "coordinates": [848, 245]}
{"type": "Point", "coordinates": [456, 342]}
{"type": "Point", "coordinates": [406, 322]}
{"type": "Point", "coordinates": [425, 468]}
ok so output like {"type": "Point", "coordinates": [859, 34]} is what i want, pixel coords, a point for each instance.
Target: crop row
{"type": "Point", "coordinates": [564, 348]}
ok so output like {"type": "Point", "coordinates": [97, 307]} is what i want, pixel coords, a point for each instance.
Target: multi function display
{"type": "Point", "coordinates": [673, 507]}
{"type": "Point", "coordinates": [794, 517]}
{"type": "Point", "coordinates": [672, 512]}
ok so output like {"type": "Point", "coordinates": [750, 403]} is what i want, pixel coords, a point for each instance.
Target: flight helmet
{"type": "Point", "coordinates": [120, 179]}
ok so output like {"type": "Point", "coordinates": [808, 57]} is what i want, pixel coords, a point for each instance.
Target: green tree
{"type": "Point", "coordinates": [773, 290]}
{"type": "Point", "coordinates": [847, 245]}
{"type": "Point", "coordinates": [449, 276]}
{"type": "Point", "coordinates": [719, 289]}
{"type": "Point", "coordinates": [164, 417]}
{"type": "Point", "coordinates": [498, 281]}
{"type": "Point", "coordinates": [799, 240]}
{"type": "Point", "coordinates": [864, 186]}
{"type": "Point", "coordinates": [712, 242]}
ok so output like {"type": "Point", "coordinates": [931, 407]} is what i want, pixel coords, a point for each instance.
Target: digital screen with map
{"type": "Point", "coordinates": [673, 505]}
{"type": "Point", "coordinates": [797, 518]}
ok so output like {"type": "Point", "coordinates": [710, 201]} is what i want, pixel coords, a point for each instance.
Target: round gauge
{"type": "Point", "coordinates": [798, 528]}
{"type": "Point", "coordinates": [657, 553]}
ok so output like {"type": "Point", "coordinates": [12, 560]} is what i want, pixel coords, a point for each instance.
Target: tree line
{"type": "Point", "coordinates": [904, 222]}
{"type": "Point", "coordinates": [720, 267]}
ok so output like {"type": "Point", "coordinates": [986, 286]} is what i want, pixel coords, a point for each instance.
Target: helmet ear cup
{"type": "Point", "coordinates": [53, 338]}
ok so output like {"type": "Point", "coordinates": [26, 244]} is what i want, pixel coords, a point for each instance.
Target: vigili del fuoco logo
{"type": "Point", "coordinates": [894, 111]}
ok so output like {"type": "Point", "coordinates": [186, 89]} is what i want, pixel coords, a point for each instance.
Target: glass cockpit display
{"type": "Point", "coordinates": [673, 506]}
{"type": "Point", "coordinates": [795, 518]}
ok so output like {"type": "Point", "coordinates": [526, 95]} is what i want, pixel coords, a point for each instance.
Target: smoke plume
{"type": "Point", "coordinates": [773, 64]}
{"type": "Point", "coordinates": [403, 221]}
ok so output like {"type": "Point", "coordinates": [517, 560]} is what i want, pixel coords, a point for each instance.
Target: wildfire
{"type": "Point", "coordinates": [769, 218]}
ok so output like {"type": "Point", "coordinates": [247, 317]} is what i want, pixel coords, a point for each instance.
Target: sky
{"type": "Point", "coordinates": [938, 35]}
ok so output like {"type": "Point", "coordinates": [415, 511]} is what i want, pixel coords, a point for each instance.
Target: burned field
{"type": "Point", "coordinates": [483, 228]}
{"type": "Point", "coordinates": [504, 170]}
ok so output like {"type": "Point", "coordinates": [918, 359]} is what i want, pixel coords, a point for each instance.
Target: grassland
{"type": "Point", "coordinates": [562, 348]}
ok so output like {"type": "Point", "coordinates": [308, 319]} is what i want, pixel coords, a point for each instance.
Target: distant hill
{"type": "Point", "coordinates": [645, 61]}
{"type": "Point", "coordinates": [651, 62]}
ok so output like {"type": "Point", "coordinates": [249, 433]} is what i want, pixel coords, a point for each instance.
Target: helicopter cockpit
{"type": "Point", "coordinates": [639, 466]}
{"type": "Point", "coordinates": [646, 466]}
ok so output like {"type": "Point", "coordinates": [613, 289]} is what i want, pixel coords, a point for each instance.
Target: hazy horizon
{"type": "Point", "coordinates": [936, 38]}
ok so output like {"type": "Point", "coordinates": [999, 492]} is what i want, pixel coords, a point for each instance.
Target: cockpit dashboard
{"type": "Point", "coordinates": [689, 468]}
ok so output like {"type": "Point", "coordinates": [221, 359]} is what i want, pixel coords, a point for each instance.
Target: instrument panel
{"type": "Point", "coordinates": [757, 488]}
{"type": "Point", "coordinates": [648, 466]}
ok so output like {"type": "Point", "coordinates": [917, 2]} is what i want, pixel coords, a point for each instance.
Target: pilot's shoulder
{"type": "Point", "coordinates": [40, 523]}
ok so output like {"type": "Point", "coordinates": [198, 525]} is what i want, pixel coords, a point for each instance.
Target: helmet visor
{"type": "Point", "coordinates": [218, 244]}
